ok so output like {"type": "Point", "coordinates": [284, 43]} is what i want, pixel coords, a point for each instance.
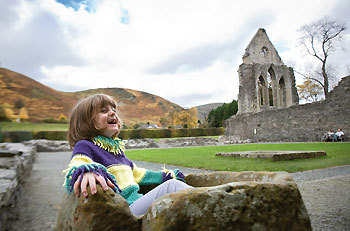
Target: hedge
{"type": "Point", "coordinates": [169, 133]}
{"type": "Point", "coordinates": [19, 136]}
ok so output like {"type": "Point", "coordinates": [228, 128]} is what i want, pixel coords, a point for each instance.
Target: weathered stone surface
{"type": "Point", "coordinates": [274, 155]}
{"type": "Point", "coordinates": [49, 145]}
{"type": "Point", "coordinates": [275, 204]}
{"type": "Point", "coordinates": [102, 211]}
{"type": "Point", "coordinates": [220, 201]}
{"type": "Point", "coordinates": [16, 161]}
{"type": "Point", "coordinates": [140, 143]}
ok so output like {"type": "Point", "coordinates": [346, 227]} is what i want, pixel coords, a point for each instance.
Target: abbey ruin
{"type": "Point", "coordinates": [268, 109]}
{"type": "Point", "coordinates": [264, 81]}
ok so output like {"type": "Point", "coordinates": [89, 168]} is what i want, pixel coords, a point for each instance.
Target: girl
{"type": "Point", "coordinates": [98, 156]}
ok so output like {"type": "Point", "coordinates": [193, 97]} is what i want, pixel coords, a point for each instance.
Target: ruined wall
{"type": "Point", "coordinates": [249, 98]}
{"type": "Point", "coordinates": [265, 83]}
{"type": "Point", "coordinates": [305, 122]}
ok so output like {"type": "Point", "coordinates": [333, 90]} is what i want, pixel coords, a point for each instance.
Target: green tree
{"type": "Point", "coordinates": [19, 104]}
{"type": "Point", "coordinates": [216, 117]}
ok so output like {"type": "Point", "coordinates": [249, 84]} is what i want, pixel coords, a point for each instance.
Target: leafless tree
{"type": "Point", "coordinates": [321, 38]}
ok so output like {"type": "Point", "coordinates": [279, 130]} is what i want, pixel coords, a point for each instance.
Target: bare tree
{"type": "Point", "coordinates": [320, 40]}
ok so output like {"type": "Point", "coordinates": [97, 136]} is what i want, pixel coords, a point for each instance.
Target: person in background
{"type": "Point", "coordinates": [328, 136]}
{"type": "Point", "coordinates": [339, 135]}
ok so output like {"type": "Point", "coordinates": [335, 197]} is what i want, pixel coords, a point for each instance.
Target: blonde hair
{"type": "Point", "coordinates": [82, 119]}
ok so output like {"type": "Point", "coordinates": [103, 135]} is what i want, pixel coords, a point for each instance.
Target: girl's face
{"type": "Point", "coordinates": [107, 121]}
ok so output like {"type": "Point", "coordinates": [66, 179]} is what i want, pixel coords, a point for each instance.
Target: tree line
{"type": "Point", "coordinates": [216, 117]}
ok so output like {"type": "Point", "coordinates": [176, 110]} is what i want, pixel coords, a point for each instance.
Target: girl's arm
{"type": "Point", "coordinates": [82, 171]}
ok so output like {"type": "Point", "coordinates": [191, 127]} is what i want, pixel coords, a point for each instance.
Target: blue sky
{"type": "Point", "coordinates": [186, 51]}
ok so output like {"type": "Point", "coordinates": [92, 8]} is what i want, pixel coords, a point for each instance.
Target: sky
{"type": "Point", "coordinates": [186, 51]}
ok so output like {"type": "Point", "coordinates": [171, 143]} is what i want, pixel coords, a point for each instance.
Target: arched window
{"type": "Point", "coordinates": [262, 91]}
{"type": "Point", "coordinates": [282, 93]}
{"type": "Point", "coordinates": [271, 77]}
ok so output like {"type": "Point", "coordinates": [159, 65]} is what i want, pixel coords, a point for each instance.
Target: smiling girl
{"type": "Point", "coordinates": [98, 157]}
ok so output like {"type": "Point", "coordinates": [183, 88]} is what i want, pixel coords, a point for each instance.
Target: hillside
{"type": "Point", "coordinates": [203, 110]}
{"type": "Point", "coordinates": [44, 102]}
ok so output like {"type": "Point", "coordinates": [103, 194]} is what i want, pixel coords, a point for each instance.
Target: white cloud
{"type": "Point", "coordinates": [185, 51]}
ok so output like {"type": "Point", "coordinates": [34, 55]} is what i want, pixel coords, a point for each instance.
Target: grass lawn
{"type": "Point", "coordinates": [204, 157]}
{"type": "Point", "coordinates": [27, 126]}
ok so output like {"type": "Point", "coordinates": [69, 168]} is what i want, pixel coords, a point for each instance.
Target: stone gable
{"type": "Point", "coordinates": [265, 83]}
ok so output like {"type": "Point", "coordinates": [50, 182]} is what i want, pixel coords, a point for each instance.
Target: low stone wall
{"type": "Point", "coordinates": [274, 155]}
{"type": "Point", "coordinates": [298, 123]}
{"type": "Point", "coordinates": [16, 162]}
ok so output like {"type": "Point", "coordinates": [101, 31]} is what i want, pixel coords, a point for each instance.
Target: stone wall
{"type": "Point", "coordinates": [16, 161]}
{"type": "Point", "coordinates": [306, 122]}
{"type": "Point", "coordinates": [284, 92]}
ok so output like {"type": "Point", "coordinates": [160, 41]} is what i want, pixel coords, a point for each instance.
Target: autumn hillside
{"type": "Point", "coordinates": [43, 102]}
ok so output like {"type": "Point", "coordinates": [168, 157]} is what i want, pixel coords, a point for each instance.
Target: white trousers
{"type": "Point", "coordinates": [140, 206]}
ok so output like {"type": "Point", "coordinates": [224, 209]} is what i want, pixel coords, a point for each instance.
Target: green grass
{"type": "Point", "coordinates": [27, 126]}
{"type": "Point", "coordinates": [204, 157]}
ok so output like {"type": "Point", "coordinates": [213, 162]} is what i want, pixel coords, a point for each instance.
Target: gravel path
{"type": "Point", "coordinates": [326, 193]}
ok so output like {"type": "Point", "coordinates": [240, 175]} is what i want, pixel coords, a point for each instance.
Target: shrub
{"type": "Point", "coordinates": [50, 135]}
{"type": "Point", "coordinates": [16, 136]}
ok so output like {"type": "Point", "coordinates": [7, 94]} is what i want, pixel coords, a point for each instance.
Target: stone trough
{"type": "Point", "coordinates": [274, 155]}
{"type": "Point", "coordinates": [219, 201]}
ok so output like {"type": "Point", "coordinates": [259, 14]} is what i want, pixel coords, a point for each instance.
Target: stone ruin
{"type": "Point", "coordinates": [264, 81]}
{"type": "Point", "coordinates": [219, 201]}
{"type": "Point", "coordinates": [268, 109]}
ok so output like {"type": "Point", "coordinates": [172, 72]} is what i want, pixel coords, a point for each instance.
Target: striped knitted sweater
{"type": "Point", "coordinates": [105, 156]}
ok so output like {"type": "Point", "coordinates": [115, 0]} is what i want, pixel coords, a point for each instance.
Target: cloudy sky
{"type": "Point", "coordinates": [186, 51]}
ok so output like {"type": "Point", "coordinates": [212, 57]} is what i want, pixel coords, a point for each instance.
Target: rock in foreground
{"type": "Point", "coordinates": [220, 201]}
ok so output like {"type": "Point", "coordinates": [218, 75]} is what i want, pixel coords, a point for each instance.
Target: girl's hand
{"type": "Point", "coordinates": [89, 178]}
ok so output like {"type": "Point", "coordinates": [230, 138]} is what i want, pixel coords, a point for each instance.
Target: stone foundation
{"type": "Point", "coordinates": [274, 155]}
{"type": "Point", "coordinates": [220, 201]}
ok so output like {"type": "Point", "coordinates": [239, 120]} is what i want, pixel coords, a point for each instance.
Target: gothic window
{"type": "Point", "coordinates": [271, 77]}
{"type": "Point", "coordinates": [261, 92]}
{"type": "Point", "coordinates": [282, 92]}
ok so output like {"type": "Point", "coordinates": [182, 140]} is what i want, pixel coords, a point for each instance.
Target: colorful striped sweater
{"type": "Point", "coordinates": [105, 156]}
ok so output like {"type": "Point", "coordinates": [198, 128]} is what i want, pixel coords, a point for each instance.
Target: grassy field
{"type": "Point", "coordinates": [204, 157]}
{"type": "Point", "coordinates": [27, 126]}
